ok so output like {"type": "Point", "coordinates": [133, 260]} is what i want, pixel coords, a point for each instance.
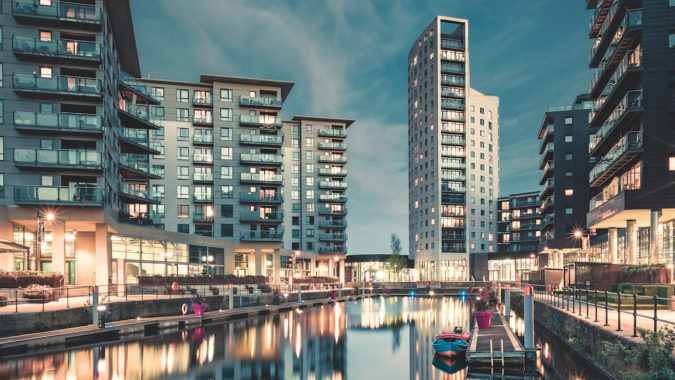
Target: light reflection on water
{"type": "Point", "coordinates": [372, 338]}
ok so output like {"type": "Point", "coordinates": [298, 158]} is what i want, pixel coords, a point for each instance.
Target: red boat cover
{"type": "Point", "coordinates": [450, 335]}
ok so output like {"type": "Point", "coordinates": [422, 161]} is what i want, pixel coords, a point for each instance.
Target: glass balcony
{"type": "Point", "coordinates": [68, 196]}
{"type": "Point", "coordinates": [332, 198]}
{"type": "Point", "coordinates": [333, 250]}
{"type": "Point", "coordinates": [456, 80]}
{"type": "Point", "coordinates": [453, 236]}
{"type": "Point", "coordinates": [202, 197]}
{"type": "Point", "coordinates": [60, 12]}
{"type": "Point", "coordinates": [262, 217]}
{"type": "Point", "coordinates": [452, 68]}
{"type": "Point", "coordinates": [263, 158]}
{"type": "Point", "coordinates": [631, 102]}
{"type": "Point", "coordinates": [202, 139]}
{"type": "Point", "coordinates": [138, 141]}
{"type": "Point", "coordinates": [616, 44]}
{"type": "Point", "coordinates": [333, 223]}
{"type": "Point", "coordinates": [332, 172]}
{"type": "Point", "coordinates": [453, 176]}
{"type": "Point", "coordinates": [202, 158]}
{"type": "Point", "coordinates": [133, 84]}
{"type": "Point", "coordinates": [202, 98]}
{"type": "Point", "coordinates": [137, 116]}
{"type": "Point", "coordinates": [449, 163]}
{"type": "Point", "coordinates": [135, 193]}
{"type": "Point", "coordinates": [139, 169]}
{"type": "Point", "coordinates": [61, 49]}
{"type": "Point", "coordinates": [548, 203]}
{"type": "Point", "coordinates": [547, 171]}
{"type": "Point", "coordinates": [63, 85]}
{"type": "Point", "coordinates": [332, 185]}
{"type": "Point", "coordinates": [333, 237]}
{"type": "Point", "coordinates": [261, 178]}
{"type": "Point", "coordinates": [333, 146]}
{"type": "Point", "coordinates": [260, 121]}
{"type": "Point", "coordinates": [452, 199]}
{"type": "Point", "coordinates": [608, 192]}
{"type": "Point", "coordinates": [447, 43]}
{"type": "Point", "coordinates": [261, 236]}
{"type": "Point", "coordinates": [623, 152]}
{"type": "Point", "coordinates": [332, 211]}
{"type": "Point", "coordinates": [203, 215]}
{"type": "Point", "coordinates": [456, 187]}
{"type": "Point", "coordinates": [549, 185]}
{"type": "Point", "coordinates": [261, 197]}
{"type": "Point", "coordinates": [332, 133]}
{"type": "Point", "coordinates": [453, 104]}
{"type": "Point", "coordinates": [205, 119]}
{"type": "Point", "coordinates": [333, 159]}
{"type": "Point", "coordinates": [202, 177]}
{"type": "Point", "coordinates": [453, 140]}
{"type": "Point", "coordinates": [632, 60]}
{"type": "Point", "coordinates": [262, 101]}
{"type": "Point", "coordinates": [66, 159]}
{"type": "Point", "coordinates": [456, 92]}
{"type": "Point", "coordinates": [61, 122]}
{"type": "Point", "coordinates": [266, 140]}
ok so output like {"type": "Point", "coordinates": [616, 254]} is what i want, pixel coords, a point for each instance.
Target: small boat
{"type": "Point", "coordinates": [451, 335]}
{"type": "Point", "coordinates": [449, 365]}
{"type": "Point", "coordinates": [450, 347]}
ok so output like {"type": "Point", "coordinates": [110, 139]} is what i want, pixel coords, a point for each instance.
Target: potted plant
{"type": "Point", "coordinates": [198, 305]}
{"type": "Point", "coordinates": [482, 314]}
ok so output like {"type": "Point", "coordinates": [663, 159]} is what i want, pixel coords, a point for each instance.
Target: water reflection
{"type": "Point", "coordinates": [373, 338]}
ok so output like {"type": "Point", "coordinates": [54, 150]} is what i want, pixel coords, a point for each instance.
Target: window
{"type": "Point", "coordinates": [568, 120]}
{"type": "Point", "coordinates": [671, 159]}
{"type": "Point", "coordinates": [45, 72]}
{"type": "Point", "coordinates": [157, 93]}
{"type": "Point", "coordinates": [226, 114]}
{"type": "Point", "coordinates": [226, 172]}
{"type": "Point", "coordinates": [225, 134]}
{"type": "Point", "coordinates": [183, 172]}
{"type": "Point", "coordinates": [309, 141]}
{"type": "Point", "coordinates": [226, 211]}
{"type": "Point", "coordinates": [45, 36]}
{"type": "Point", "coordinates": [310, 181]}
{"type": "Point", "coordinates": [252, 94]}
{"type": "Point", "coordinates": [226, 230]}
{"type": "Point", "coordinates": [183, 192]}
{"type": "Point", "coordinates": [295, 156]}
{"type": "Point", "coordinates": [482, 110]}
{"type": "Point", "coordinates": [183, 134]}
{"type": "Point", "coordinates": [183, 211]}
{"type": "Point", "coordinates": [225, 153]}
{"type": "Point", "coordinates": [184, 228]}
{"type": "Point", "coordinates": [309, 194]}
{"type": "Point", "coordinates": [182, 95]}
{"type": "Point", "coordinates": [310, 232]}
{"type": "Point", "coordinates": [2, 109]}
{"type": "Point", "coordinates": [157, 134]}
{"type": "Point", "coordinates": [295, 194]}
{"type": "Point", "coordinates": [569, 192]}
{"type": "Point", "coordinates": [295, 182]}
{"type": "Point", "coordinates": [225, 95]}
{"type": "Point", "coordinates": [158, 112]}
{"type": "Point", "coordinates": [310, 155]}
{"type": "Point", "coordinates": [569, 211]}
{"type": "Point", "coordinates": [296, 233]}
{"type": "Point", "coordinates": [310, 168]}
{"type": "Point", "coordinates": [295, 143]}
{"type": "Point", "coordinates": [183, 153]}
{"type": "Point", "coordinates": [0, 70]}
{"type": "Point", "coordinates": [295, 129]}
{"type": "Point", "coordinates": [671, 39]}
{"type": "Point", "coordinates": [568, 156]}
{"type": "Point", "coordinates": [309, 128]}
{"type": "Point", "coordinates": [161, 150]}
{"type": "Point", "coordinates": [295, 169]}
{"type": "Point", "coordinates": [182, 114]}
{"type": "Point", "coordinates": [568, 138]}
{"type": "Point", "coordinates": [568, 173]}
{"type": "Point", "coordinates": [310, 208]}
{"type": "Point", "coordinates": [158, 191]}
{"type": "Point", "coordinates": [226, 191]}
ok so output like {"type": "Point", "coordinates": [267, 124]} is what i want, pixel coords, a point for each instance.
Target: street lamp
{"type": "Point", "coordinates": [585, 243]}
{"type": "Point", "coordinates": [39, 235]}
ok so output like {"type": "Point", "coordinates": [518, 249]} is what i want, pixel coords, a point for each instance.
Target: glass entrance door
{"type": "Point", "coordinates": [70, 272]}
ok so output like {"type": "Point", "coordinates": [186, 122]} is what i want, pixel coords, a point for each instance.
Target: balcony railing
{"type": "Point", "coordinates": [333, 223]}
{"type": "Point", "coordinates": [264, 121]}
{"type": "Point", "coordinates": [261, 236]}
{"type": "Point", "coordinates": [333, 250]}
{"type": "Point", "coordinates": [447, 163]}
{"type": "Point", "coordinates": [200, 215]}
{"type": "Point", "coordinates": [453, 104]}
{"type": "Point", "coordinates": [202, 177]}
{"type": "Point", "coordinates": [333, 146]}
{"type": "Point", "coordinates": [631, 22]}
{"type": "Point", "coordinates": [333, 159]}
{"type": "Point", "coordinates": [137, 115]}
{"type": "Point", "coordinates": [63, 85]}
{"type": "Point", "coordinates": [205, 119]}
{"type": "Point", "coordinates": [456, 187]}
{"type": "Point", "coordinates": [139, 88]}
{"type": "Point", "coordinates": [453, 236]}
{"type": "Point", "coordinates": [202, 98]}
{"type": "Point", "coordinates": [141, 167]}
{"type": "Point", "coordinates": [332, 133]}
{"type": "Point", "coordinates": [263, 178]}
{"type": "Point", "coordinates": [453, 139]}
{"type": "Point", "coordinates": [333, 211]}
{"type": "Point", "coordinates": [261, 197]}
{"type": "Point", "coordinates": [632, 101]}
{"type": "Point", "coordinates": [332, 198]}
{"type": "Point", "coordinates": [453, 176]}
{"type": "Point", "coordinates": [203, 139]}
{"type": "Point", "coordinates": [62, 49]}
{"type": "Point", "coordinates": [447, 43]}
{"type": "Point", "coordinates": [620, 153]}
{"type": "Point", "coordinates": [455, 68]}
{"type": "Point", "coordinates": [73, 158]}
{"type": "Point", "coordinates": [457, 80]}
{"type": "Point", "coordinates": [62, 122]}
{"type": "Point", "coordinates": [332, 172]}
{"type": "Point", "coordinates": [268, 140]}
{"type": "Point", "coordinates": [59, 11]}
{"type": "Point", "coordinates": [633, 59]}
{"type": "Point", "coordinates": [610, 191]}
{"type": "Point", "coordinates": [140, 137]}
{"type": "Point", "coordinates": [264, 158]}
{"type": "Point", "coordinates": [74, 195]}
{"type": "Point", "coordinates": [262, 101]}
{"type": "Point", "coordinates": [202, 197]}
{"type": "Point", "coordinates": [332, 185]}
{"type": "Point", "coordinates": [333, 237]}
{"type": "Point", "coordinates": [258, 217]}
{"type": "Point", "coordinates": [135, 192]}
{"type": "Point", "coordinates": [456, 92]}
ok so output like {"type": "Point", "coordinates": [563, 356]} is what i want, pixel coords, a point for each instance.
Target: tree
{"type": "Point", "coordinates": [396, 261]}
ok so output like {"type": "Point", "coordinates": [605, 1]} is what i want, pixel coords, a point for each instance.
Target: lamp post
{"type": "Point", "coordinates": [39, 235]}
{"type": "Point", "coordinates": [585, 242]}
{"type": "Point", "coordinates": [293, 268]}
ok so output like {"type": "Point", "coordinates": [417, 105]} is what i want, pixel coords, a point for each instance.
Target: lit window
{"type": "Point", "coordinates": [568, 138]}
{"type": "Point", "coordinates": [569, 192]}
{"type": "Point", "coordinates": [45, 72]}
{"type": "Point", "coordinates": [671, 163]}
{"type": "Point", "coordinates": [45, 35]}
{"type": "Point", "coordinates": [568, 120]}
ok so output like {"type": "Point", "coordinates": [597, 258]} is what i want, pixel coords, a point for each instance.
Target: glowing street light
{"type": "Point", "coordinates": [50, 216]}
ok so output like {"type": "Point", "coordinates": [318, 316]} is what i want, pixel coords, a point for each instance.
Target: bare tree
{"type": "Point", "coordinates": [396, 261]}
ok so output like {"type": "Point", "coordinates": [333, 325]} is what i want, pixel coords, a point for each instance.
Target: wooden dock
{"type": "Point", "coordinates": [495, 348]}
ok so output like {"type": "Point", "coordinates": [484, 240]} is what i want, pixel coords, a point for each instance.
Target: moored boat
{"type": "Point", "coordinates": [450, 347]}
{"type": "Point", "coordinates": [451, 335]}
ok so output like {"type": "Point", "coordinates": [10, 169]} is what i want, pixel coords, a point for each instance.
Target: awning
{"type": "Point", "coordinates": [7, 246]}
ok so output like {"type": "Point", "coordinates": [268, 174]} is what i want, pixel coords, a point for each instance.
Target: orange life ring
{"type": "Point", "coordinates": [184, 309]}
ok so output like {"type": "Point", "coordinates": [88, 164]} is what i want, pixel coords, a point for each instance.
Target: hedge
{"type": "Point", "coordinates": [24, 279]}
{"type": "Point", "coordinates": [315, 280]}
{"type": "Point", "coordinates": [201, 280]}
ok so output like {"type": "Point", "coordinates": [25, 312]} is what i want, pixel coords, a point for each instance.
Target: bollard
{"type": "Point", "coordinates": [299, 294]}
{"type": "Point", "coordinates": [606, 308]}
{"type": "Point", "coordinates": [655, 305]}
{"type": "Point", "coordinates": [94, 306]}
{"type": "Point", "coordinates": [634, 315]}
{"type": "Point", "coordinates": [618, 310]}
{"type": "Point", "coordinates": [596, 305]}
{"type": "Point", "coordinates": [574, 299]}
{"type": "Point", "coordinates": [528, 311]}
{"type": "Point", "coordinates": [67, 299]}
{"type": "Point", "coordinates": [230, 298]}
{"type": "Point", "coordinates": [507, 302]}
{"type": "Point", "coordinates": [16, 301]}
{"type": "Point", "coordinates": [586, 303]}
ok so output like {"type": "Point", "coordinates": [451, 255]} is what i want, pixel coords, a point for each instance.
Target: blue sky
{"type": "Point", "coordinates": [348, 59]}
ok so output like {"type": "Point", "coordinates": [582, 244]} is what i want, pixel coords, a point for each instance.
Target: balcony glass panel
{"type": "Point", "coordinates": [448, 43]}
{"type": "Point", "coordinates": [333, 145]}
{"type": "Point", "coordinates": [260, 120]}
{"type": "Point", "coordinates": [64, 48]}
{"type": "Point", "coordinates": [632, 100]}
{"type": "Point", "coordinates": [63, 84]}
{"type": "Point", "coordinates": [58, 10]}
{"type": "Point", "coordinates": [73, 157]}
{"type": "Point", "coordinates": [260, 101]}
{"type": "Point", "coordinates": [138, 86]}
{"type": "Point", "coordinates": [261, 177]}
{"type": "Point", "coordinates": [53, 194]}
{"type": "Point", "coordinates": [264, 157]}
{"type": "Point", "coordinates": [140, 166]}
{"type": "Point", "coordinates": [452, 79]}
{"type": "Point", "coordinates": [261, 139]}
{"type": "Point", "coordinates": [631, 141]}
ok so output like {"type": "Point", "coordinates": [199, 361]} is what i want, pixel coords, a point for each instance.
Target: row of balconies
{"type": "Point", "coordinates": [630, 64]}
{"type": "Point", "coordinates": [333, 159]}
{"type": "Point", "coordinates": [548, 188]}
{"type": "Point", "coordinates": [132, 168]}
{"type": "Point", "coordinates": [629, 105]}
{"type": "Point", "coordinates": [547, 172]}
{"type": "Point", "coordinates": [136, 194]}
{"type": "Point", "coordinates": [609, 46]}
{"type": "Point", "coordinates": [57, 50]}
{"type": "Point", "coordinates": [333, 172]}
{"type": "Point", "coordinates": [58, 195]}
{"type": "Point", "coordinates": [81, 159]}
{"type": "Point", "coordinates": [138, 141]}
{"type": "Point", "coordinates": [332, 133]}
{"type": "Point", "coordinates": [57, 13]}
{"type": "Point", "coordinates": [57, 122]}
{"type": "Point", "coordinates": [65, 86]}
{"type": "Point", "coordinates": [621, 154]}
{"type": "Point", "coordinates": [137, 116]}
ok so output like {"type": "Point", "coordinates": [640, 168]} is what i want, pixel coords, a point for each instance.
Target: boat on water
{"type": "Point", "coordinates": [453, 335]}
{"type": "Point", "coordinates": [449, 365]}
{"type": "Point", "coordinates": [450, 347]}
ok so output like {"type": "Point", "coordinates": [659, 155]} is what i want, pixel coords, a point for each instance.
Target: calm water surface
{"type": "Point", "coordinates": [382, 338]}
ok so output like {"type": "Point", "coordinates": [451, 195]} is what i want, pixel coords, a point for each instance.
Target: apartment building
{"type": "Point", "coordinates": [518, 237]}
{"type": "Point", "coordinates": [632, 197]}
{"type": "Point", "coordinates": [105, 177]}
{"type": "Point", "coordinates": [563, 133]}
{"type": "Point", "coordinates": [453, 153]}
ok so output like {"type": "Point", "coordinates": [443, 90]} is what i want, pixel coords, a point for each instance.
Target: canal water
{"type": "Point", "coordinates": [380, 338]}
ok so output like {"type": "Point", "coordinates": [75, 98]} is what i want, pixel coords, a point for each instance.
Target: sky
{"type": "Point", "coordinates": [348, 59]}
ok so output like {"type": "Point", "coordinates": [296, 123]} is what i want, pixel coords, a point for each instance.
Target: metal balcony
{"type": "Point", "coordinates": [618, 157]}
{"type": "Point", "coordinates": [548, 204]}
{"type": "Point", "coordinates": [198, 177]}
{"type": "Point", "coordinates": [133, 169]}
{"type": "Point", "coordinates": [610, 47]}
{"type": "Point", "coordinates": [261, 159]}
{"type": "Point", "coordinates": [333, 173]}
{"type": "Point", "coordinates": [257, 217]}
{"type": "Point", "coordinates": [453, 104]}
{"type": "Point", "coordinates": [332, 146]}
{"type": "Point", "coordinates": [261, 140]}
{"type": "Point", "coordinates": [455, 80]}
{"type": "Point", "coordinates": [202, 197]}
{"type": "Point", "coordinates": [448, 43]}
{"type": "Point", "coordinates": [202, 139]}
{"type": "Point", "coordinates": [333, 237]}
{"type": "Point", "coordinates": [260, 121]}
{"type": "Point", "coordinates": [261, 197]}
{"type": "Point", "coordinates": [628, 109]}
{"type": "Point", "coordinates": [262, 101]}
{"type": "Point", "coordinates": [68, 123]}
{"type": "Point", "coordinates": [453, 236]}
{"type": "Point", "coordinates": [54, 195]}
{"type": "Point", "coordinates": [134, 194]}
{"type": "Point", "coordinates": [202, 98]}
{"type": "Point", "coordinates": [261, 236]}
{"type": "Point", "coordinates": [136, 116]}
{"type": "Point", "coordinates": [548, 189]}
{"type": "Point", "coordinates": [137, 141]}
{"type": "Point", "coordinates": [67, 87]}
{"type": "Point", "coordinates": [333, 159]}
{"type": "Point", "coordinates": [334, 224]}
{"type": "Point", "coordinates": [331, 211]}
{"type": "Point", "coordinates": [453, 68]}
{"type": "Point", "coordinates": [201, 215]}
{"type": "Point", "coordinates": [332, 185]}
{"type": "Point", "coordinates": [332, 198]}
{"type": "Point", "coordinates": [60, 51]}
{"type": "Point", "coordinates": [272, 179]}
{"type": "Point", "coordinates": [547, 172]}
{"type": "Point", "coordinates": [619, 76]}
{"type": "Point", "coordinates": [332, 133]}
{"type": "Point", "coordinates": [130, 85]}
{"type": "Point", "coordinates": [338, 250]}
{"type": "Point", "coordinates": [57, 13]}
{"type": "Point", "coordinates": [73, 159]}
{"type": "Point", "coordinates": [202, 158]}
{"type": "Point", "coordinates": [205, 120]}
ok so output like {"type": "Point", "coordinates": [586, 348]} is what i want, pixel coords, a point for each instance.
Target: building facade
{"type": "Point", "coordinates": [564, 165]}
{"type": "Point", "coordinates": [105, 176]}
{"type": "Point", "coordinates": [631, 181]}
{"type": "Point", "coordinates": [453, 157]}
{"type": "Point", "coordinates": [518, 233]}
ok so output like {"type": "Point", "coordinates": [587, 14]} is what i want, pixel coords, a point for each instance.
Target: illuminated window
{"type": "Point", "coordinates": [569, 192]}
{"type": "Point", "coordinates": [671, 163]}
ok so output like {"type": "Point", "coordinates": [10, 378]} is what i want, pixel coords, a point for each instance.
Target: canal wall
{"type": "Point", "coordinates": [582, 337]}
{"type": "Point", "coordinates": [23, 323]}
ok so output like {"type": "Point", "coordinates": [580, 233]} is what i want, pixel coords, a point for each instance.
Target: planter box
{"type": "Point", "coordinates": [483, 319]}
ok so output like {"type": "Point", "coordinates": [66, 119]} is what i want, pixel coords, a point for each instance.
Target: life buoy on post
{"type": "Point", "coordinates": [184, 308]}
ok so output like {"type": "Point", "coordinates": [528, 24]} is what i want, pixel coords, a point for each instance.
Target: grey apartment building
{"type": "Point", "coordinates": [453, 157]}
{"type": "Point", "coordinates": [632, 204]}
{"type": "Point", "coordinates": [105, 177]}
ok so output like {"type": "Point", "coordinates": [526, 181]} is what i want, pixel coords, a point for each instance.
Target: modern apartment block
{"type": "Point", "coordinates": [453, 153]}
{"type": "Point", "coordinates": [564, 165]}
{"type": "Point", "coordinates": [631, 182]}
{"type": "Point", "coordinates": [105, 177]}
{"type": "Point", "coordinates": [518, 237]}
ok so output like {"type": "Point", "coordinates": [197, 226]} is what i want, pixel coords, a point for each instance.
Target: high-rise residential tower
{"type": "Point", "coordinates": [453, 157]}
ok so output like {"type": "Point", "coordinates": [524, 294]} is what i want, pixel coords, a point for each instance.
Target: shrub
{"type": "Point", "coordinates": [201, 280]}
{"type": "Point", "coordinates": [3, 300]}
{"type": "Point", "coordinates": [647, 360]}
{"type": "Point", "coordinates": [23, 279]}
{"type": "Point", "coordinates": [481, 305]}
{"type": "Point", "coordinates": [38, 292]}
